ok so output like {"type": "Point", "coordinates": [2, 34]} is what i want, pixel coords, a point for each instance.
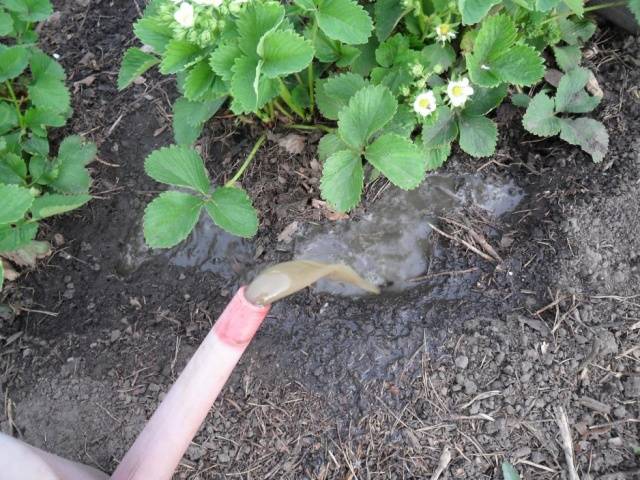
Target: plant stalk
{"type": "Point", "coordinates": [320, 127]}
{"type": "Point", "coordinates": [282, 110]}
{"type": "Point", "coordinates": [16, 103]}
{"type": "Point", "coordinates": [285, 94]}
{"type": "Point", "coordinates": [247, 161]}
{"type": "Point", "coordinates": [310, 74]}
{"type": "Point", "coordinates": [593, 8]}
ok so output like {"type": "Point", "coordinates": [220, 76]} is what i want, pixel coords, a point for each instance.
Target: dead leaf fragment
{"type": "Point", "coordinates": [28, 255]}
{"type": "Point", "coordinates": [87, 81]}
{"type": "Point", "coordinates": [327, 211]}
{"type": "Point", "coordinates": [292, 143]}
{"type": "Point", "coordinates": [593, 87]}
{"type": "Point", "coordinates": [10, 273]}
{"type": "Point", "coordinates": [286, 235]}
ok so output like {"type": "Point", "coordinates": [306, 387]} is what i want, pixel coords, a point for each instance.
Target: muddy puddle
{"type": "Point", "coordinates": [392, 244]}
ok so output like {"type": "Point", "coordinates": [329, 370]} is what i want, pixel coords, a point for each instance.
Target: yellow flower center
{"type": "Point", "coordinates": [444, 29]}
{"type": "Point", "coordinates": [424, 103]}
{"type": "Point", "coordinates": [457, 91]}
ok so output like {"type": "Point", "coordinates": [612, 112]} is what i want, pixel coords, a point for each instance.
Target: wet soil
{"type": "Point", "coordinates": [474, 357]}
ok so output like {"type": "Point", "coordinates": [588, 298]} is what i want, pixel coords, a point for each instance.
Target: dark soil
{"type": "Point", "coordinates": [471, 364]}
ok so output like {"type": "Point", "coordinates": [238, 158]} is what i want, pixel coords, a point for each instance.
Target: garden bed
{"type": "Point", "coordinates": [472, 358]}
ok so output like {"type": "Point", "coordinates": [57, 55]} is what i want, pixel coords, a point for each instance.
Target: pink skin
{"type": "Point", "coordinates": [163, 441]}
{"type": "Point", "coordinates": [19, 461]}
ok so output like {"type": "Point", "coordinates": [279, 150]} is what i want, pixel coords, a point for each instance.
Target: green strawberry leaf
{"type": "Point", "coordinates": [73, 156]}
{"type": "Point", "coordinates": [1, 274]}
{"type": "Point", "coordinates": [334, 93]}
{"type": "Point", "coordinates": [29, 10]}
{"type": "Point", "coordinates": [403, 122]}
{"type": "Point", "coordinates": [587, 133]}
{"type": "Point", "coordinates": [342, 180]}
{"type": "Point", "coordinates": [223, 58]}
{"type": "Point", "coordinates": [37, 118]}
{"type": "Point", "coordinates": [485, 99]}
{"type": "Point", "coordinates": [576, 6]}
{"type": "Point", "coordinates": [388, 14]}
{"type": "Point", "coordinates": [13, 169]}
{"type": "Point", "coordinates": [178, 55]}
{"type": "Point", "coordinates": [344, 20]}
{"type": "Point", "coordinates": [495, 59]}
{"type": "Point", "coordinates": [567, 57]}
{"type": "Point", "coordinates": [478, 135]}
{"type": "Point", "coordinates": [249, 89]}
{"type": "Point", "coordinates": [6, 26]}
{"type": "Point", "coordinates": [329, 144]}
{"type": "Point", "coordinates": [284, 53]}
{"type": "Point", "coordinates": [634, 6]}
{"type": "Point", "coordinates": [51, 204]}
{"type": "Point", "coordinates": [179, 166]}
{"type": "Point", "coordinates": [546, 5]}
{"type": "Point", "coordinates": [439, 128]}
{"type": "Point", "coordinates": [520, 65]}
{"type": "Point", "coordinates": [231, 209]}
{"type": "Point", "coordinates": [50, 94]}
{"type": "Point", "coordinates": [257, 19]}
{"type": "Point", "coordinates": [540, 118]}
{"type": "Point", "coordinates": [521, 100]}
{"type": "Point", "coordinates": [369, 110]}
{"type": "Point", "coordinates": [134, 64]}
{"type": "Point", "coordinates": [189, 118]}
{"type": "Point", "coordinates": [16, 201]}
{"type": "Point", "coordinates": [8, 117]}
{"type": "Point", "coordinates": [154, 33]}
{"type": "Point", "coordinates": [435, 157]}
{"type": "Point", "coordinates": [399, 159]}
{"type": "Point", "coordinates": [202, 84]}
{"type": "Point", "coordinates": [13, 237]}
{"type": "Point", "coordinates": [170, 218]}
{"type": "Point", "coordinates": [571, 96]}
{"type": "Point", "coordinates": [13, 61]}
{"type": "Point", "coordinates": [48, 90]}
{"type": "Point", "coordinates": [576, 32]}
{"type": "Point", "coordinates": [474, 10]}
{"type": "Point", "coordinates": [437, 54]}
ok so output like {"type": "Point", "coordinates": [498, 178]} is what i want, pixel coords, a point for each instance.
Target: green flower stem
{"type": "Point", "coordinates": [16, 103]}
{"type": "Point", "coordinates": [320, 127]}
{"type": "Point", "coordinates": [282, 110]}
{"type": "Point", "coordinates": [246, 163]}
{"type": "Point", "coordinates": [593, 8]}
{"type": "Point", "coordinates": [285, 94]}
{"type": "Point", "coordinates": [310, 74]}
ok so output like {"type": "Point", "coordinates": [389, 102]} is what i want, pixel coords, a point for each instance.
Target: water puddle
{"type": "Point", "coordinates": [392, 243]}
{"type": "Point", "coordinates": [207, 249]}
{"type": "Point", "coordinates": [211, 249]}
{"type": "Point", "coordinates": [389, 246]}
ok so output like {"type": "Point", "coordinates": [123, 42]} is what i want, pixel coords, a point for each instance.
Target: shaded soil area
{"type": "Point", "coordinates": [470, 367]}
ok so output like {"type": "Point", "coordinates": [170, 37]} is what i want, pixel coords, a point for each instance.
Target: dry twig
{"type": "Point", "coordinates": [567, 442]}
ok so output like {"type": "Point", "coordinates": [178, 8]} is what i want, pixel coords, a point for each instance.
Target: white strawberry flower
{"type": "Point", "coordinates": [425, 103]}
{"type": "Point", "coordinates": [459, 92]}
{"type": "Point", "coordinates": [185, 16]}
{"type": "Point", "coordinates": [210, 3]}
{"type": "Point", "coordinates": [445, 33]}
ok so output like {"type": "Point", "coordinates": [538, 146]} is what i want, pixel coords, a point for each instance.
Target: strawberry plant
{"type": "Point", "coordinates": [34, 184]}
{"type": "Point", "coordinates": [394, 84]}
